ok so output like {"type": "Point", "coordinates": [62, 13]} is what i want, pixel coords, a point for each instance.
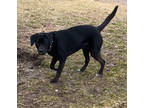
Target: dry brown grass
{"type": "Point", "coordinates": [74, 90]}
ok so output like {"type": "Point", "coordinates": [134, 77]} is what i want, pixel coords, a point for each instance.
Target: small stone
{"type": "Point", "coordinates": [56, 90]}
{"type": "Point", "coordinates": [78, 70]}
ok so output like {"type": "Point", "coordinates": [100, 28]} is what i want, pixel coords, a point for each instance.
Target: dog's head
{"type": "Point", "coordinates": [42, 41]}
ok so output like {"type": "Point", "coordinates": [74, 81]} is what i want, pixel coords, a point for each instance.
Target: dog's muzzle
{"type": "Point", "coordinates": [41, 52]}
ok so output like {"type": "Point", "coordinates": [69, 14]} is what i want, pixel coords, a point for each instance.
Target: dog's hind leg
{"type": "Point", "coordinates": [87, 59]}
{"type": "Point", "coordinates": [100, 60]}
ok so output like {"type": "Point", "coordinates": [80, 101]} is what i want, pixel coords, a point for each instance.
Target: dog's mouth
{"type": "Point", "coordinates": [41, 53]}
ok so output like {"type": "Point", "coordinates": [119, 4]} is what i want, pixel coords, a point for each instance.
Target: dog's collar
{"type": "Point", "coordinates": [52, 41]}
{"type": "Point", "coordinates": [51, 45]}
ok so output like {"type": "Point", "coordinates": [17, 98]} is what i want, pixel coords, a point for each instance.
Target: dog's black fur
{"type": "Point", "coordinates": [61, 44]}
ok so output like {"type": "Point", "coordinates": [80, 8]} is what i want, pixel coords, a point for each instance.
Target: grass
{"type": "Point", "coordinates": [74, 90]}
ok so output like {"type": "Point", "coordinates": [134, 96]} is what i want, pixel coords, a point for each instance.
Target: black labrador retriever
{"type": "Point", "coordinates": [61, 44]}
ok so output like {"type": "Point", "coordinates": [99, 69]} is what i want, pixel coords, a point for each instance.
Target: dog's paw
{"type": "Point", "coordinates": [53, 68]}
{"type": "Point", "coordinates": [99, 75]}
{"type": "Point", "coordinates": [53, 81]}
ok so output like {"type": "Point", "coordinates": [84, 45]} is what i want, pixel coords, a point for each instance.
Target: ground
{"type": "Point", "coordinates": [74, 89]}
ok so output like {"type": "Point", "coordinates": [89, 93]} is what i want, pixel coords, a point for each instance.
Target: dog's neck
{"type": "Point", "coordinates": [51, 45]}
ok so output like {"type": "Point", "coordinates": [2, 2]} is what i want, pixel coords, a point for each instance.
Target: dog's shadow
{"type": "Point", "coordinates": [23, 55]}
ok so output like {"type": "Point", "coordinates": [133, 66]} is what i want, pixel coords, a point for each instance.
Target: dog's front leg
{"type": "Point", "coordinates": [60, 68]}
{"type": "Point", "coordinates": [53, 62]}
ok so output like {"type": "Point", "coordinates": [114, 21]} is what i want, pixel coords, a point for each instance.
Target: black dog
{"type": "Point", "coordinates": [61, 44]}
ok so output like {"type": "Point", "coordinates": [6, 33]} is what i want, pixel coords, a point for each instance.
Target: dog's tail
{"type": "Point", "coordinates": [108, 19]}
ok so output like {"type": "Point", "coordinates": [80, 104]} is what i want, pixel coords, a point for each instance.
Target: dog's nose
{"type": "Point", "coordinates": [41, 51]}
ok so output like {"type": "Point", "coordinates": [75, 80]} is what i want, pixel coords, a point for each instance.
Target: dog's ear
{"type": "Point", "coordinates": [33, 38]}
